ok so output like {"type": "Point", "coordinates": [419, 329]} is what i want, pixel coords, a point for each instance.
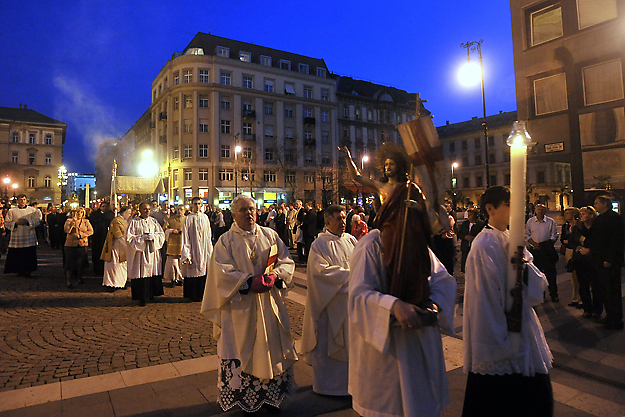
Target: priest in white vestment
{"type": "Point", "coordinates": [248, 275]}
{"type": "Point", "coordinates": [21, 221]}
{"type": "Point", "coordinates": [325, 335]}
{"type": "Point", "coordinates": [196, 249]}
{"type": "Point", "coordinates": [507, 371]}
{"type": "Point", "coordinates": [145, 238]}
{"type": "Point", "coordinates": [396, 364]}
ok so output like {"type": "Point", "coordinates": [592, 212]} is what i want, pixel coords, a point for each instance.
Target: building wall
{"type": "Point", "coordinates": [30, 162]}
{"type": "Point", "coordinates": [569, 79]}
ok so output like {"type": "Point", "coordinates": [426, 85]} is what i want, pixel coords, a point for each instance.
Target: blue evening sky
{"type": "Point", "coordinates": [90, 63]}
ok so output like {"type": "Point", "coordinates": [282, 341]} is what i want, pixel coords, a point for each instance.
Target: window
{"type": "Point", "coordinates": [31, 182]}
{"type": "Point", "coordinates": [225, 78]}
{"type": "Point", "coordinates": [307, 112]}
{"type": "Point", "coordinates": [357, 113]}
{"type": "Point", "coordinates": [493, 180]}
{"type": "Point", "coordinates": [540, 177]}
{"type": "Point", "coordinates": [175, 176]}
{"type": "Point", "coordinates": [15, 138]}
{"type": "Point", "coordinates": [225, 126]}
{"type": "Point", "coordinates": [203, 101]}
{"type": "Point", "coordinates": [48, 159]}
{"type": "Point", "coordinates": [269, 132]}
{"type": "Point", "coordinates": [225, 151]}
{"type": "Point", "coordinates": [309, 177]}
{"type": "Point", "coordinates": [48, 139]}
{"type": "Point", "coordinates": [478, 160]}
{"type": "Point", "coordinates": [465, 182]}
{"type": "Point", "coordinates": [289, 177]}
{"type": "Point", "coordinates": [603, 82]}
{"type": "Point", "coordinates": [288, 133]}
{"type": "Point", "coordinates": [550, 94]}
{"type": "Point", "coordinates": [246, 106]}
{"type": "Point", "coordinates": [321, 72]}
{"type": "Point", "coordinates": [31, 158]}
{"type": "Point", "coordinates": [32, 138]}
{"type": "Point", "coordinates": [265, 60]}
{"type": "Point", "coordinates": [285, 65]}
{"type": "Point", "coordinates": [546, 24]}
{"type": "Point", "coordinates": [452, 147]}
{"type": "Point", "coordinates": [325, 94]}
{"type": "Point", "coordinates": [492, 159]}
{"type": "Point", "coordinates": [202, 127]}
{"type": "Point", "coordinates": [289, 156]}
{"type": "Point", "coordinates": [188, 151]}
{"type": "Point", "coordinates": [176, 78]}
{"type": "Point", "coordinates": [225, 103]}
{"type": "Point", "coordinates": [592, 12]}
{"type": "Point", "coordinates": [478, 143]}
{"type": "Point", "coordinates": [14, 158]}
{"type": "Point", "coordinates": [303, 68]}
{"type": "Point", "coordinates": [307, 92]}
{"type": "Point", "coordinates": [248, 82]}
{"type": "Point", "coordinates": [204, 76]}
{"type": "Point", "coordinates": [176, 103]}
{"type": "Point", "coordinates": [309, 159]}
{"type": "Point", "coordinates": [464, 145]}
{"type": "Point", "coordinates": [176, 152]}
{"type": "Point", "coordinates": [269, 176]}
{"type": "Point", "coordinates": [506, 179]}
{"type": "Point", "coordinates": [188, 102]}
{"type": "Point", "coordinates": [187, 126]}
{"type": "Point", "coordinates": [325, 137]}
{"type": "Point", "coordinates": [269, 154]}
{"type": "Point", "coordinates": [325, 160]}
{"type": "Point", "coordinates": [247, 129]}
{"type": "Point", "coordinates": [288, 111]}
{"type": "Point", "coordinates": [324, 116]}
{"type": "Point", "coordinates": [269, 86]}
{"type": "Point", "coordinates": [223, 52]}
{"type": "Point", "coordinates": [289, 88]}
{"type": "Point", "coordinates": [479, 182]}
{"type": "Point", "coordinates": [188, 175]}
{"type": "Point", "coordinates": [268, 108]}
{"type": "Point", "coordinates": [307, 136]}
{"type": "Point", "coordinates": [506, 156]}
{"type": "Point", "coordinates": [247, 153]}
{"type": "Point", "coordinates": [245, 56]}
{"type": "Point", "coordinates": [203, 174]}
{"type": "Point", "coordinates": [187, 76]}
{"type": "Point", "coordinates": [47, 181]}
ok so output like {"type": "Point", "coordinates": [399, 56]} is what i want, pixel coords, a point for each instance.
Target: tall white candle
{"type": "Point", "coordinates": [87, 196]}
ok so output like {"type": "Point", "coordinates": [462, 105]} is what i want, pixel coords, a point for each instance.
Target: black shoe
{"type": "Point", "coordinates": [555, 299]}
{"type": "Point", "coordinates": [142, 303]}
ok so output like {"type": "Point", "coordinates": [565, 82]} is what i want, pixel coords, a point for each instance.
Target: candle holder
{"type": "Point", "coordinates": [519, 136]}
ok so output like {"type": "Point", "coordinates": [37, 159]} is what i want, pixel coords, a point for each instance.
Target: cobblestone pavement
{"type": "Point", "coordinates": [49, 333]}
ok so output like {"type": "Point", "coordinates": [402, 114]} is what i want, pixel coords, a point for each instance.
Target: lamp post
{"type": "Point", "coordinates": [453, 180]}
{"type": "Point", "coordinates": [62, 179]}
{"type": "Point", "coordinates": [364, 159]}
{"type": "Point", "coordinates": [469, 69]}
{"type": "Point", "coordinates": [237, 149]}
{"type": "Point", "coordinates": [14, 188]}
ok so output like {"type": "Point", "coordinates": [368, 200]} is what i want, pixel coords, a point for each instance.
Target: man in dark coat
{"type": "Point", "coordinates": [100, 221]}
{"type": "Point", "coordinates": [467, 232]}
{"type": "Point", "coordinates": [607, 253]}
{"type": "Point", "coordinates": [309, 227]}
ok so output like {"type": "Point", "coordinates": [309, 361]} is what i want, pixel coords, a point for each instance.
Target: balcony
{"type": "Point", "coordinates": [309, 121]}
{"type": "Point", "coordinates": [249, 138]}
{"type": "Point", "coordinates": [162, 115]}
{"type": "Point", "coordinates": [310, 142]}
{"type": "Point", "coordinates": [248, 114]}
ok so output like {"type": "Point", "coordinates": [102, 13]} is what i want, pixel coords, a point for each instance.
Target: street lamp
{"type": "Point", "coordinates": [14, 188]}
{"type": "Point", "coordinates": [470, 71]}
{"type": "Point", "coordinates": [453, 180]}
{"type": "Point", "coordinates": [6, 182]}
{"type": "Point", "coordinates": [237, 149]}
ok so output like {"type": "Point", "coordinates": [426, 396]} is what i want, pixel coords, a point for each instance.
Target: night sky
{"type": "Point", "coordinates": [91, 63]}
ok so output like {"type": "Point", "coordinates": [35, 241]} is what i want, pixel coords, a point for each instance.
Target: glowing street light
{"type": "Point", "coordinates": [364, 159]}
{"type": "Point", "coordinates": [14, 188]}
{"type": "Point", "coordinates": [237, 149]}
{"type": "Point", "coordinates": [453, 180]}
{"type": "Point", "coordinates": [147, 167]}
{"type": "Point", "coordinates": [6, 182]}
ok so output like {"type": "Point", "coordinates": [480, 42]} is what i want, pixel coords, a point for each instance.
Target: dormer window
{"type": "Point", "coordinates": [265, 60]}
{"type": "Point", "coordinates": [285, 65]}
{"type": "Point", "coordinates": [303, 68]}
{"type": "Point", "coordinates": [321, 72]}
{"type": "Point", "coordinates": [195, 51]}
{"type": "Point", "coordinates": [245, 56]}
{"type": "Point", "coordinates": [223, 52]}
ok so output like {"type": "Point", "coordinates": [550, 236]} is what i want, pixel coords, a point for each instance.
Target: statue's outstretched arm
{"type": "Point", "coordinates": [355, 173]}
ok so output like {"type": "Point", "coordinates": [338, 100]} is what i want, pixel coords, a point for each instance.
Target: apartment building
{"type": "Point", "coordinates": [31, 153]}
{"type": "Point", "coordinates": [465, 158]}
{"type": "Point", "coordinates": [568, 57]}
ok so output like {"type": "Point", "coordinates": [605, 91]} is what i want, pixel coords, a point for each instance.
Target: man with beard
{"type": "Point", "coordinates": [22, 255]}
{"type": "Point", "coordinates": [100, 221]}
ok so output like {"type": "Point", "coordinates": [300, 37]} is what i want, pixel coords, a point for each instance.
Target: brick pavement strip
{"type": "Point", "coordinates": [49, 333]}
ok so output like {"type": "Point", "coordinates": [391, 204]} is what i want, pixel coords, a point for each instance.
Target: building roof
{"type": "Point", "coordinates": [27, 116]}
{"type": "Point", "coordinates": [369, 90]}
{"type": "Point", "coordinates": [475, 124]}
{"type": "Point", "coordinates": [209, 44]}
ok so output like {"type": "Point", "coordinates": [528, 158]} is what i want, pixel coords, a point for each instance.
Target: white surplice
{"type": "Point", "coordinates": [253, 327]}
{"type": "Point", "coordinates": [395, 372]}
{"type": "Point", "coordinates": [144, 258]}
{"type": "Point", "coordinates": [325, 334]}
{"type": "Point", "coordinates": [115, 271]}
{"type": "Point", "coordinates": [487, 347]}
{"type": "Point", "coordinates": [197, 244]}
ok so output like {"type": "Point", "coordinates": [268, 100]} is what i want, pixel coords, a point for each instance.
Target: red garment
{"type": "Point", "coordinates": [411, 285]}
{"type": "Point", "coordinates": [359, 229]}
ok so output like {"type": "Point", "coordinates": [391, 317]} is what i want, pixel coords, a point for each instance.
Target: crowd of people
{"type": "Point", "coordinates": [380, 289]}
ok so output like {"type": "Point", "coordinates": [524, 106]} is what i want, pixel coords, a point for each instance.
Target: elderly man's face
{"type": "Point", "coordinates": [336, 223]}
{"type": "Point", "coordinates": [540, 211]}
{"type": "Point", "coordinates": [144, 210]}
{"type": "Point", "coordinates": [245, 214]}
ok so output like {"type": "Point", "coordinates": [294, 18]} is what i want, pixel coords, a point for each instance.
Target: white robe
{"type": "Point", "coordinates": [197, 244]}
{"type": "Point", "coordinates": [253, 327]}
{"type": "Point", "coordinates": [395, 372]}
{"type": "Point", "coordinates": [144, 258]}
{"type": "Point", "coordinates": [325, 334]}
{"type": "Point", "coordinates": [487, 347]}
{"type": "Point", "coordinates": [116, 272]}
